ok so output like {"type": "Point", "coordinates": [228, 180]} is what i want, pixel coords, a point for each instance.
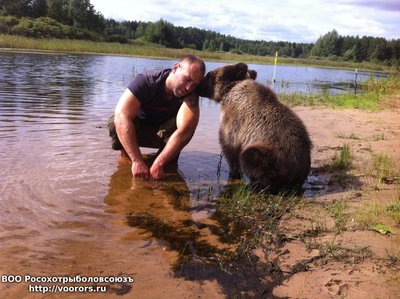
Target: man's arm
{"type": "Point", "coordinates": [186, 122]}
{"type": "Point", "coordinates": [124, 117]}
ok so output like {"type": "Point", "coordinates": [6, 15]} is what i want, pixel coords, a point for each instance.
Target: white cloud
{"type": "Point", "coordinates": [295, 21]}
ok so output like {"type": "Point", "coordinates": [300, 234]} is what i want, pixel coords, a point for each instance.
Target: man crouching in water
{"type": "Point", "coordinates": [158, 110]}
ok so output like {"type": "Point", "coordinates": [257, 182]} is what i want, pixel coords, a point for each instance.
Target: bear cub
{"type": "Point", "coordinates": [261, 138]}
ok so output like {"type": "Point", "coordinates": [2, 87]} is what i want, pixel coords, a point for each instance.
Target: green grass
{"type": "Point", "coordinates": [137, 48]}
{"type": "Point", "coordinates": [372, 97]}
{"type": "Point", "coordinates": [370, 214]}
{"type": "Point", "coordinates": [341, 163]}
{"type": "Point", "coordinates": [344, 159]}
{"type": "Point", "coordinates": [378, 137]}
{"type": "Point", "coordinates": [343, 136]}
{"type": "Point", "coordinates": [383, 169]}
{"type": "Point", "coordinates": [378, 213]}
{"type": "Point", "coordinates": [337, 210]}
{"type": "Point", "coordinates": [248, 215]}
{"type": "Point", "coordinates": [393, 210]}
{"type": "Point", "coordinates": [358, 101]}
{"type": "Point", "coordinates": [383, 166]}
{"type": "Point", "coordinates": [389, 85]}
{"type": "Point", "coordinates": [365, 101]}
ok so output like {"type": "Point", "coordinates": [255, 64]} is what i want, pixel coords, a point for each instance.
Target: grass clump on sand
{"type": "Point", "coordinates": [251, 216]}
{"type": "Point", "coordinates": [383, 168]}
{"type": "Point", "coordinates": [344, 159]}
{"type": "Point", "coordinates": [338, 212]}
{"type": "Point", "coordinates": [379, 213]}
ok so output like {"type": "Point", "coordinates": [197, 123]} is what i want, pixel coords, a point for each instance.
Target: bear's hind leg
{"type": "Point", "coordinates": [258, 162]}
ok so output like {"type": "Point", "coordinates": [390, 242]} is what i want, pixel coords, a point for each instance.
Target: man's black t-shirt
{"type": "Point", "coordinates": [149, 89]}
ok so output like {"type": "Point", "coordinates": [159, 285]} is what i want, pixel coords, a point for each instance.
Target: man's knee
{"type": "Point", "coordinates": [146, 136]}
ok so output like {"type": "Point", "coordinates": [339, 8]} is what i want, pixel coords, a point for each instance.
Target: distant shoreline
{"type": "Point", "coordinates": [11, 43]}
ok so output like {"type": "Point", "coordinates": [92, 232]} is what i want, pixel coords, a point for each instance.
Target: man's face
{"type": "Point", "coordinates": [186, 78]}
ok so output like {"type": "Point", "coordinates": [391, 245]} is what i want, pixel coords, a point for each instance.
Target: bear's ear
{"type": "Point", "coordinates": [252, 74]}
{"type": "Point", "coordinates": [236, 72]}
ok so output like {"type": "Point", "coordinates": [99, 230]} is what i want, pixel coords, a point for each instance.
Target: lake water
{"type": "Point", "coordinates": [66, 201]}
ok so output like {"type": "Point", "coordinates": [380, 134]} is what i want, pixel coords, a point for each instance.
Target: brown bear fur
{"type": "Point", "coordinates": [260, 137]}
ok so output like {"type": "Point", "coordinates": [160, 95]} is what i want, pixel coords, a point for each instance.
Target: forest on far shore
{"type": "Point", "coordinates": [77, 19]}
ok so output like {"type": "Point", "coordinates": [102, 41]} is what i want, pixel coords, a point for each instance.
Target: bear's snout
{"type": "Point", "coordinates": [206, 87]}
{"type": "Point", "coordinates": [201, 90]}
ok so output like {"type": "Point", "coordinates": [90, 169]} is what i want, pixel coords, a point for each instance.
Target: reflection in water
{"type": "Point", "coordinates": [58, 91]}
{"type": "Point", "coordinates": [176, 198]}
{"type": "Point", "coordinates": [163, 210]}
{"type": "Point", "coordinates": [128, 195]}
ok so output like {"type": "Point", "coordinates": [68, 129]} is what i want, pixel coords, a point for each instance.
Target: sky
{"type": "Point", "coordinates": [300, 21]}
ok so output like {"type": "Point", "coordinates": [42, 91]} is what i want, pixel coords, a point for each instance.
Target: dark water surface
{"type": "Point", "coordinates": [64, 196]}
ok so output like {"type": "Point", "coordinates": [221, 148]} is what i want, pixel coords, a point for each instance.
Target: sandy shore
{"type": "Point", "coordinates": [359, 263]}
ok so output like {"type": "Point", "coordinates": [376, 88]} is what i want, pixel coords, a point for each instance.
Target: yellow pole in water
{"type": "Point", "coordinates": [355, 81]}
{"type": "Point", "coordinates": [276, 60]}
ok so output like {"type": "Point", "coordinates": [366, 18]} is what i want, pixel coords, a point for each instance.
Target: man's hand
{"type": "Point", "coordinates": [156, 171]}
{"type": "Point", "coordinates": [140, 170]}
{"type": "Point", "coordinates": [186, 122]}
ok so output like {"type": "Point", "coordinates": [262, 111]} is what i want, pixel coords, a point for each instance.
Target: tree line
{"type": "Point", "coordinates": [77, 19]}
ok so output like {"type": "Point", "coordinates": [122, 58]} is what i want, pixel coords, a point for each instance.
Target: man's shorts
{"type": "Point", "coordinates": [147, 136]}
